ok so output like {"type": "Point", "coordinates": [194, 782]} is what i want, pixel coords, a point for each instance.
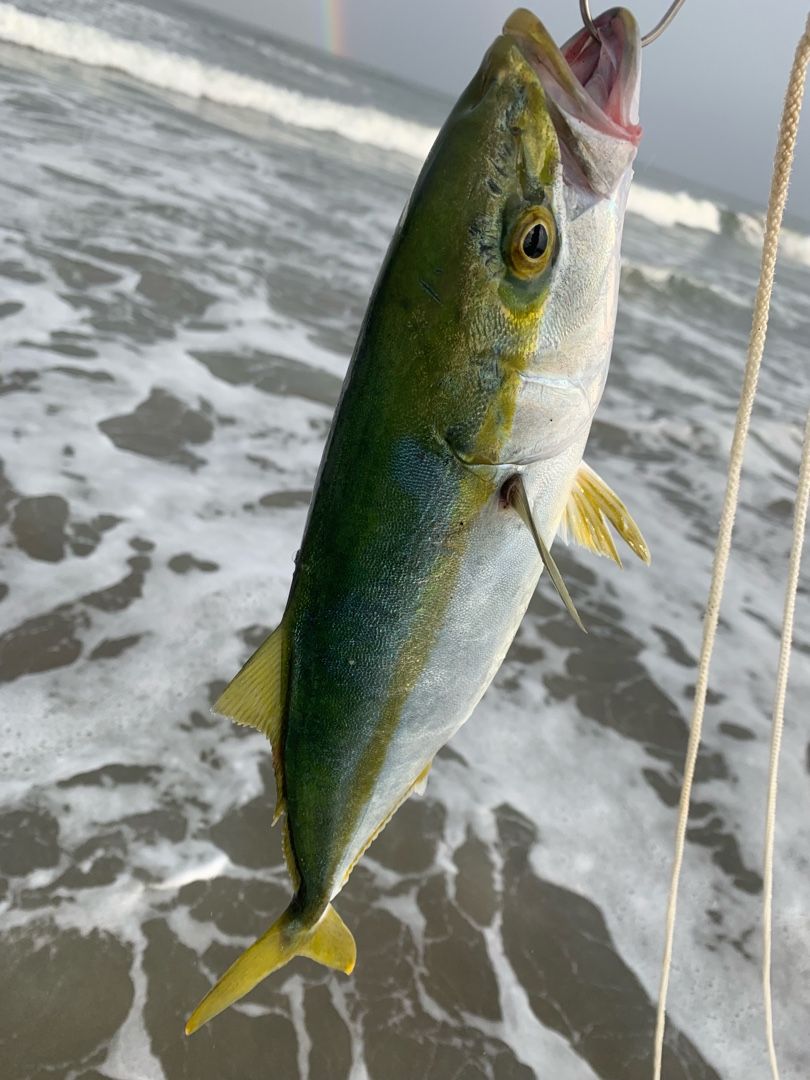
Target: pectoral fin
{"type": "Point", "coordinates": [514, 492]}
{"type": "Point", "coordinates": [591, 505]}
{"type": "Point", "coordinates": [256, 697]}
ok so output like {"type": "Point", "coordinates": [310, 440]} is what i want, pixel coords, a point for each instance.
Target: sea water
{"type": "Point", "coordinates": [191, 218]}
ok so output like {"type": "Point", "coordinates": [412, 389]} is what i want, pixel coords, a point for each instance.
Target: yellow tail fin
{"type": "Point", "coordinates": [329, 941]}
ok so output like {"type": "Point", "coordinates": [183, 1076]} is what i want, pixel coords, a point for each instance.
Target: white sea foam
{"type": "Point", "coordinates": [796, 246]}
{"type": "Point", "coordinates": [679, 208]}
{"type": "Point", "coordinates": [664, 278]}
{"type": "Point", "coordinates": [670, 209]}
{"type": "Point", "coordinates": [193, 78]}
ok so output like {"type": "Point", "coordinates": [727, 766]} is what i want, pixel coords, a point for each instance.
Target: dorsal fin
{"type": "Point", "coordinates": [591, 505]}
{"type": "Point", "coordinates": [256, 697]}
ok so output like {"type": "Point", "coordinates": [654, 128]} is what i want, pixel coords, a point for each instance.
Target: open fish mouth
{"type": "Point", "coordinates": [592, 82]}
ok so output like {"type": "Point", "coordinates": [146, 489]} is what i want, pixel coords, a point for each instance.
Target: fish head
{"type": "Point", "coordinates": [534, 165]}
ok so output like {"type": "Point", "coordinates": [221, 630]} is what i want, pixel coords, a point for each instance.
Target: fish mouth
{"type": "Point", "coordinates": [592, 83]}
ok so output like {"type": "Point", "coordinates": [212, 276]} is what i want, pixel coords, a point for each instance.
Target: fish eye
{"type": "Point", "coordinates": [532, 242]}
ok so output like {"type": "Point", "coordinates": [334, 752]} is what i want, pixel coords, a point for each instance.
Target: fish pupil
{"type": "Point", "coordinates": [535, 241]}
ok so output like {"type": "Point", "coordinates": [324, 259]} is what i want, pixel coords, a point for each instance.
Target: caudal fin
{"type": "Point", "coordinates": [329, 941]}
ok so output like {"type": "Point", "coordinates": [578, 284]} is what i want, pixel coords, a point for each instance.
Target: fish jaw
{"type": "Point", "coordinates": [592, 92]}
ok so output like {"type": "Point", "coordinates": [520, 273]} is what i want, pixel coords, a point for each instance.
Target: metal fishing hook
{"type": "Point", "coordinates": [656, 32]}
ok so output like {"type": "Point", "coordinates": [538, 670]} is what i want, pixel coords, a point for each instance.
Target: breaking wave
{"type": "Point", "coordinates": [186, 75]}
{"type": "Point", "coordinates": [695, 292]}
{"type": "Point", "coordinates": [674, 208]}
{"type": "Point", "coordinates": [794, 245]}
{"type": "Point", "coordinates": [195, 79]}
{"type": "Point", "coordinates": [669, 209]}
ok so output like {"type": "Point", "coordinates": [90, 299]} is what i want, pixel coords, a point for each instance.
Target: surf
{"type": "Point", "coordinates": [186, 75]}
{"type": "Point", "coordinates": [679, 208]}
{"type": "Point", "coordinates": [178, 73]}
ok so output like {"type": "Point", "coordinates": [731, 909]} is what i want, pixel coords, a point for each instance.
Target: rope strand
{"type": "Point", "coordinates": [799, 525]}
{"type": "Point", "coordinates": [778, 196]}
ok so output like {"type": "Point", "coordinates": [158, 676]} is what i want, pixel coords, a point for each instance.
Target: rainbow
{"type": "Point", "coordinates": [334, 26]}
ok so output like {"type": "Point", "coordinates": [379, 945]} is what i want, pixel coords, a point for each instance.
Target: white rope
{"type": "Point", "coordinates": [779, 186]}
{"type": "Point", "coordinates": [799, 525]}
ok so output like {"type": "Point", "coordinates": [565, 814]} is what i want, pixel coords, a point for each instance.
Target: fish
{"type": "Point", "coordinates": [454, 458]}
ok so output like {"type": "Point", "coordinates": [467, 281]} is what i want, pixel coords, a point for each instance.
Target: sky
{"type": "Point", "coordinates": [712, 88]}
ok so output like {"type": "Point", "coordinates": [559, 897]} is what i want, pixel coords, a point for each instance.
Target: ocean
{"type": "Point", "coordinates": [192, 215]}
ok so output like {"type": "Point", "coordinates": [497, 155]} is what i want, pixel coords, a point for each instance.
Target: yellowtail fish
{"type": "Point", "coordinates": [454, 458]}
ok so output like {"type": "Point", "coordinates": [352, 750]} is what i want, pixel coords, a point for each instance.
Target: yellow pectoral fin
{"type": "Point", "coordinates": [591, 505]}
{"type": "Point", "coordinates": [329, 941]}
{"type": "Point", "coordinates": [256, 697]}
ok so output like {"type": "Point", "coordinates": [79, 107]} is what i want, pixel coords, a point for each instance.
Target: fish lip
{"type": "Point", "coordinates": [611, 67]}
